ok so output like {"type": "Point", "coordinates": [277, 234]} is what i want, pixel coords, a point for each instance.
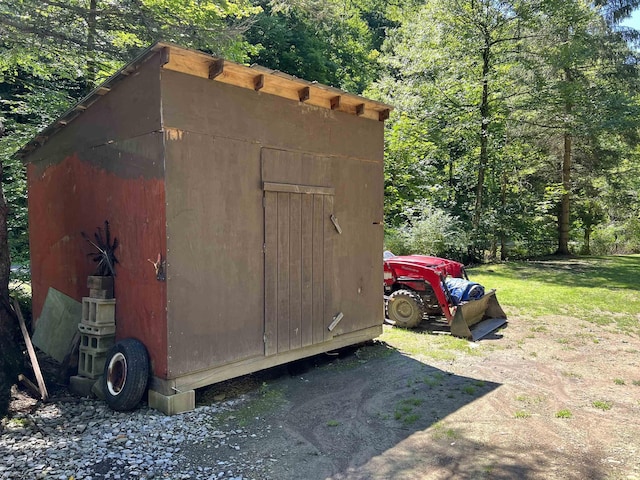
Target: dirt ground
{"type": "Point", "coordinates": [554, 399]}
{"type": "Point", "coordinates": [550, 398]}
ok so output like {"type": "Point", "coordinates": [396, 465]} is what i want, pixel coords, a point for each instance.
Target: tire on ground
{"type": "Point", "coordinates": [405, 308]}
{"type": "Point", "coordinates": [126, 374]}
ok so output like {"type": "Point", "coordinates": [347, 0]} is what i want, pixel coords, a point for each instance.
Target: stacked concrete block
{"type": "Point", "coordinates": [97, 326]}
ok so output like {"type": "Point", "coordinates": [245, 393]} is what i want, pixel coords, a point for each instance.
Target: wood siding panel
{"type": "Point", "coordinates": [283, 272]}
{"type": "Point", "coordinates": [318, 269]}
{"type": "Point", "coordinates": [295, 296]}
{"type": "Point", "coordinates": [271, 274]}
{"type": "Point", "coordinates": [130, 110]}
{"type": "Point", "coordinates": [215, 259]}
{"type": "Point", "coordinates": [200, 105]}
{"type": "Point", "coordinates": [329, 240]}
{"type": "Point", "coordinates": [307, 270]}
{"type": "Point", "coordinates": [75, 196]}
{"type": "Point", "coordinates": [295, 273]}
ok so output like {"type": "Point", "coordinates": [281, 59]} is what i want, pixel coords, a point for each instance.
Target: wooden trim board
{"type": "Point", "coordinates": [250, 365]}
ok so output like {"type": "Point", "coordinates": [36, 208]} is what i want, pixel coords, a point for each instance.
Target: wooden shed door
{"type": "Point", "coordinates": [298, 250]}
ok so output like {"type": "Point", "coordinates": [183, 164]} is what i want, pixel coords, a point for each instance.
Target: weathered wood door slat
{"type": "Point", "coordinates": [297, 258]}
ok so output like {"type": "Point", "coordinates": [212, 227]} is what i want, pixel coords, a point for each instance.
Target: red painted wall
{"type": "Point", "coordinates": [75, 196]}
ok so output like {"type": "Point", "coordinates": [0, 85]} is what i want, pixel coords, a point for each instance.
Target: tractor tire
{"type": "Point", "coordinates": [126, 374]}
{"type": "Point", "coordinates": [405, 308]}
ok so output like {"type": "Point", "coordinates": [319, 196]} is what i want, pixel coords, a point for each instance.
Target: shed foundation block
{"type": "Point", "coordinates": [172, 404]}
{"type": "Point", "coordinates": [81, 385]}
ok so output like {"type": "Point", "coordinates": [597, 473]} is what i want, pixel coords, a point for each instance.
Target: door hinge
{"type": "Point", "coordinates": [334, 220]}
{"type": "Point", "coordinates": [336, 321]}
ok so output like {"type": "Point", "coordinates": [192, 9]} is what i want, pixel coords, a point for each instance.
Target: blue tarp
{"type": "Point", "coordinates": [462, 290]}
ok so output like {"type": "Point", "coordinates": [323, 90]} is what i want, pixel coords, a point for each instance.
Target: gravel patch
{"type": "Point", "coordinates": [86, 441]}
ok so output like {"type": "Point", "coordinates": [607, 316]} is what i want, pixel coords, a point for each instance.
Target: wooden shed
{"type": "Point", "coordinates": [262, 194]}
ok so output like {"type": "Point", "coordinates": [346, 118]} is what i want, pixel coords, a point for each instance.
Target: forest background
{"type": "Point", "coordinates": [515, 132]}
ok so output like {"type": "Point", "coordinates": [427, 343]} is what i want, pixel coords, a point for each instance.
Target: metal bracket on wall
{"type": "Point", "coordinates": [336, 321]}
{"type": "Point", "coordinates": [334, 220]}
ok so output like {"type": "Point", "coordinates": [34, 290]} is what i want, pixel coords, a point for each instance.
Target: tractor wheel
{"type": "Point", "coordinates": [126, 374]}
{"type": "Point", "coordinates": [405, 308]}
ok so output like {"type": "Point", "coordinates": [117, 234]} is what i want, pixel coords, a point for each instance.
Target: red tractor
{"type": "Point", "coordinates": [419, 285]}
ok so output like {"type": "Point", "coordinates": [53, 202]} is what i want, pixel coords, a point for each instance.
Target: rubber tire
{"type": "Point", "coordinates": [405, 308]}
{"type": "Point", "coordinates": [126, 374]}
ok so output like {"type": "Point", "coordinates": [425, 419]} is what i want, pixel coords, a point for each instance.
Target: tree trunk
{"type": "Point", "coordinates": [565, 201]}
{"type": "Point", "coordinates": [586, 249]}
{"type": "Point", "coordinates": [484, 134]}
{"type": "Point", "coordinates": [10, 358]}
{"type": "Point", "coordinates": [92, 69]}
{"type": "Point", "coordinates": [503, 204]}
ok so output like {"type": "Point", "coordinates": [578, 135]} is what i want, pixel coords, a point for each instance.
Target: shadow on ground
{"type": "Point", "coordinates": [338, 415]}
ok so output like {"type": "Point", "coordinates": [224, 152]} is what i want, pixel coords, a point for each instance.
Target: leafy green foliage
{"type": "Point", "coordinates": [429, 232]}
{"type": "Point", "coordinates": [326, 41]}
{"type": "Point", "coordinates": [487, 93]}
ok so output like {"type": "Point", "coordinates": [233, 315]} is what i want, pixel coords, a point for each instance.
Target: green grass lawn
{"type": "Point", "coordinates": [602, 290]}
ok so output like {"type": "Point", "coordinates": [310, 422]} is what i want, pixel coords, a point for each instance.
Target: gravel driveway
{"type": "Point", "coordinates": [554, 399]}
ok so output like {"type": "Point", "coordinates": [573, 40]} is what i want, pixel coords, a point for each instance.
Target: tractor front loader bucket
{"type": "Point", "coordinates": [484, 315]}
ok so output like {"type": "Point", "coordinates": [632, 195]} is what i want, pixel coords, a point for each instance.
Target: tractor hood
{"type": "Point", "coordinates": [444, 266]}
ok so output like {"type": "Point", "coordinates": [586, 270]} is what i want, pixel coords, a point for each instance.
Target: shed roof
{"type": "Point", "coordinates": [203, 65]}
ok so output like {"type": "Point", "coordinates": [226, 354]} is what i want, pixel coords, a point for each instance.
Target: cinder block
{"type": "Point", "coordinates": [98, 312]}
{"type": "Point", "coordinates": [98, 293]}
{"type": "Point", "coordinates": [99, 283]}
{"type": "Point", "coordinates": [99, 343]}
{"type": "Point", "coordinates": [173, 404]}
{"type": "Point", "coordinates": [91, 362]}
{"type": "Point", "coordinates": [81, 385]}
{"type": "Point", "coordinates": [98, 388]}
{"type": "Point", "coordinates": [92, 330]}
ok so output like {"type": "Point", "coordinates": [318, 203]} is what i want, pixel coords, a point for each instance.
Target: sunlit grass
{"type": "Point", "coordinates": [425, 345]}
{"type": "Point", "coordinates": [600, 290]}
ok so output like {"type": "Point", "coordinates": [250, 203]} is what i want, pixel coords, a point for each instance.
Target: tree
{"type": "Point", "coordinates": [10, 361]}
{"type": "Point", "coordinates": [452, 69]}
{"type": "Point", "coordinates": [326, 41]}
{"type": "Point", "coordinates": [585, 79]}
{"type": "Point", "coordinates": [52, 53]}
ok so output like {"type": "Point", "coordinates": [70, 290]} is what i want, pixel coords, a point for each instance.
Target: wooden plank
{"type": "Point", "coordinates": [271, 273]}
{"type": "Point", "coordinates": [216, 67]}
{"type": "Point", "coordinates": [185, 62]}
{"type": "Point", "coordinates": [29, 384]}
{"type": "Point", "coordinates": [318, 269]}
{"type": "Point", "coordinates": [275, 83]}
{"type": "Point", "coordinates": [304, 94]}
{"type": "Point", "coordinates": [291, 188]}
{"type": "Point", "coordinates": [258, 82]}
{"type": "Point", "coordinates": [165, 55]}
{"type": "Point", "coordinates": [283, 272]}
{"type": "Point", "coordinates": [307, 269]}
{"type": "Point", "coordinates": [32, 353]}
{"type": "Point", "coordinates": [383, 115]}
{"type": "Point", "coordinates": [219, 373]}
{"type": "Point", "coordinates": [295, 271]}
{"type": "Point", "coordinates": [330, 235]}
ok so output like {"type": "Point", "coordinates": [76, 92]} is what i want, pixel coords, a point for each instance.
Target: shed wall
{"type": "Point", "coordinates": [106, 165]}
{"type": "Point", "coordinates": [216, 139]}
